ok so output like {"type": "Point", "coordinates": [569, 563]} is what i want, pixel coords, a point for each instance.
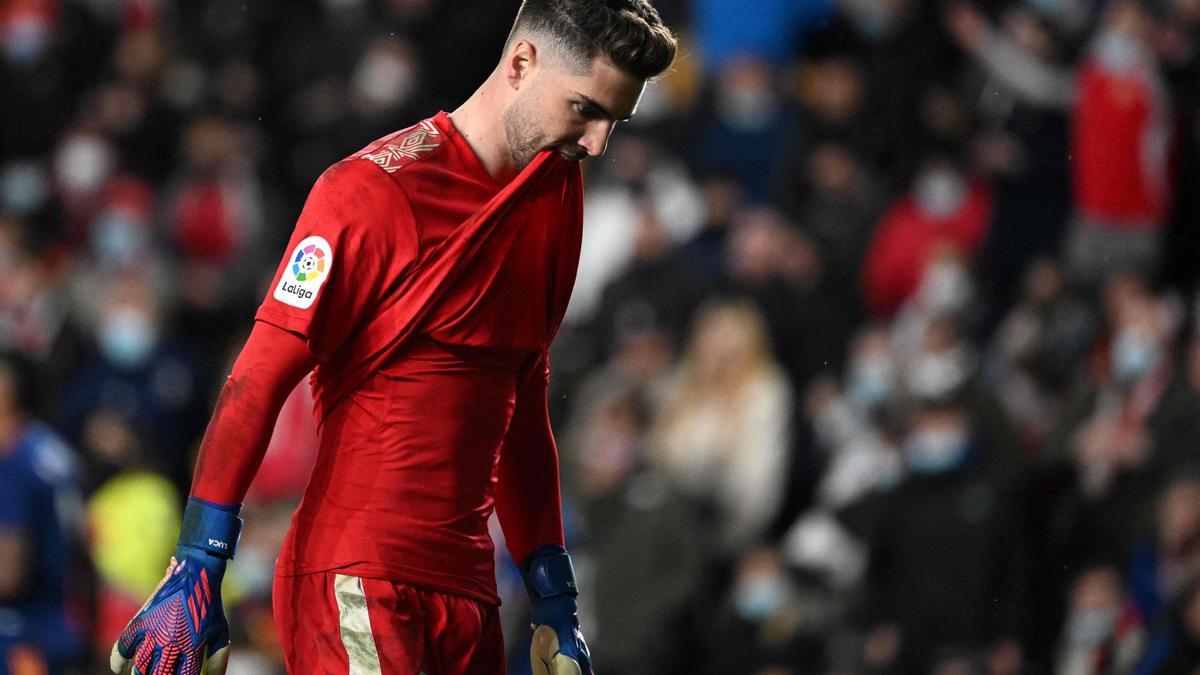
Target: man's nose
{"type": "Point", "coordinates": [595, 140]}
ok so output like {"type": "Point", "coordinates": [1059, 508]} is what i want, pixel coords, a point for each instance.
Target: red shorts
{"type": "Point", "coordinates": [335, 624]}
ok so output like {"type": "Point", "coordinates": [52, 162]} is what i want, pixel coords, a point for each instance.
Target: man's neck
{"type": "Point", "coordinates": [480, 121]}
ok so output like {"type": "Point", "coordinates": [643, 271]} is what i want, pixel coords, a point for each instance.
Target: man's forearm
{"type": "Point", "coordinates": [527, 499]}
{"type": "Point", "coordinates": [527, 490]}
{"type": "Point", "coordinates": [268, 368]}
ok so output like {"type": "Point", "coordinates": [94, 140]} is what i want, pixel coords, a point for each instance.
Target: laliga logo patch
{"type": "Point", "coordinates": [309, 268]}
{"type": "Point", "coordinates": [309, 263]}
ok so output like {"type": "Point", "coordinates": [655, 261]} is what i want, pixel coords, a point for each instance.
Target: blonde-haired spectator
{"type": "Point", "coordinates": [724, 427]}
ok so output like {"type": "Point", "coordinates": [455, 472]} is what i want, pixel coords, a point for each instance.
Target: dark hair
{"type": "Point", "coordinates": [629, 32]}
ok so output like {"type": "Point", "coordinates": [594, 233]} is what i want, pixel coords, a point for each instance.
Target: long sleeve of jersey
{"type": "Point", "coordinates": [527, 494]}
{"type": "Point", "coordinates": [335, 269]}
{"type": "Point", "coordinates": [268, 368]}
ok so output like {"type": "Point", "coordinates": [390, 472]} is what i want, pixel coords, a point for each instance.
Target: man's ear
{"type": "Point", "coordinates": [519, 63]}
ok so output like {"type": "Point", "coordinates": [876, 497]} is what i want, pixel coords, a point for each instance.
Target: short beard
{"type": "Point", "coordinates": [523, 142]}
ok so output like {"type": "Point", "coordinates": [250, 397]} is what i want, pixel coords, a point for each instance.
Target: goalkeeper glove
{"type": "Point", "coordinates": [558, 647]}
{"type": "Point", "coordinates": [182, 627]}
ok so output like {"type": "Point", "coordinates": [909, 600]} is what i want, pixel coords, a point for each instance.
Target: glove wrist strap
{"type": "Point", "coordinates": [211, 527]}
{"type": "Point", "coordinates": [548, 573]}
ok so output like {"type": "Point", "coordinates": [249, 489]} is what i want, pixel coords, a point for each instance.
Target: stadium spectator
{"type": "Point", "coordinates": [1103, 631]}
{"type": "Point", "coordinates": [33, 313]}
{"type": "Point", "coordinates": [771, 622]}
{"type": "Point", "coordinates": [41, 518]}
{"type": "Point", "coordinates": [1024, 91]}
{"type": "Point", "coordinates": [785, 273]}
{"type": "Point", "coordinates": [945, 209]}
{"type": "Point", "coordinates": [902, 62]}
{"type": "Point", "coordinates": [644, 181]}
{"type": "Point", "coordinates": [644, 538]}
{"type": "Point", "coordinates": [141, 371]}
{"type": "Point", "coordinates": [839, 203]}
{"type": "Point", "coordinates": [121, 237]}
{"type": "Point", "coordinates": [1036, 350]}
{"type": "Point", "coordinates": [854, 426]}
{"type": "Point", "coordinates": [743, 118]}
{"type": "Point", "coordinates": [948, 565]}
{"type": "Point", "coordinates": [724, 427]}
{"type": "Point", "coordinates": [658, 286]}
{"type": "Point", "coordinates": [640, 366]}
{"type": "Point", "coordinates": [1123, 426]}
{"type": "Point", "coordinates": [1121, 130]}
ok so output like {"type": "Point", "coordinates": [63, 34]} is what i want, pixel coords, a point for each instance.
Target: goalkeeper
{"type": "Point", "coordinates": [424, 282]}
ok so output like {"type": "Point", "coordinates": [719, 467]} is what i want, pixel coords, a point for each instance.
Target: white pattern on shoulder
{"type": "Point", "coordinates": [406, 148]}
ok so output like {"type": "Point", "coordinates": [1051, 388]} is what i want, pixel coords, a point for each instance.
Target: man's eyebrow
{"type": "Point", "coordinates": [603, 113]}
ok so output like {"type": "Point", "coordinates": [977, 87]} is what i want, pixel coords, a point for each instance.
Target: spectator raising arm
{"type": "Point", "coordinates": [1028, 76]}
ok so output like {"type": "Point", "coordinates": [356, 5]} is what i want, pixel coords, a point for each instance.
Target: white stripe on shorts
{"type": "Point", "coordinates": [356, 625]}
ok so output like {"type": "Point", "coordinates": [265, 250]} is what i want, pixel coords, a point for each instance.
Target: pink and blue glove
{"type": "Point", "coordinates": [558, 647]}
{"type": "Point", "coordinates": [181, 630]}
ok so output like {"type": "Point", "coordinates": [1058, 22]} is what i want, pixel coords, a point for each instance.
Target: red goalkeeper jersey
{"type": "Point", "coordinates": [429, 294]}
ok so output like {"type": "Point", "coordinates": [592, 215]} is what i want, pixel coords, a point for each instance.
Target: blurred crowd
{"type": "Point", "coordinates": [882, 357]}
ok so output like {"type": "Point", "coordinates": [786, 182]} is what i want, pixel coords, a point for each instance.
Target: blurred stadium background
{"type": "Point", "coordinates": [882, 357]}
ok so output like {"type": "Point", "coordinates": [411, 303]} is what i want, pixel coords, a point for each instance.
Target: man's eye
{"type": "Point", "coordinates": [578, 108]}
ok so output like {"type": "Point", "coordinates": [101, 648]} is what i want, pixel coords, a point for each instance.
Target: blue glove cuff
{"type": "Point", "coordinates": [548, 573]}
{"type": "Point", "coordinates": [214, 528]}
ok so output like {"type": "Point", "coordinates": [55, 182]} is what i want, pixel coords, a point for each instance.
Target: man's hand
{"type": "Point", "coordinates": [558, 647]}
{"type": "Point", "coordinates": [182, 628]}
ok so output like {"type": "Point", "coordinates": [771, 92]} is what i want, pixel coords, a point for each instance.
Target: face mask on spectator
{"type": "Point", "coordinates": [761, 597]}
{"type": "Point", "coordinates": [116, 238]}
{"type": "Point", "coordinates": [1091, 627]}
{"type": "Point", "coordinates": [930, 451]}
{"type": "Point", "coordinates": [1118, 51]}
{"type": "Point", "coordinates": [936, 375]}
{"type": "Point", "coordinates": [939, 193]}
{"type": "Point", "coordinates": [23, 188]}
{"type": "Point", "coordinates": [1134, 355]}
{"type": "Point", "coordinates": [746, 107]}
{"type": "Point", "coordinates": [946, 287]}
{"type": "Point", "coordinates": [870, 383]}
{"type": "Point", "coordinates": [83, 163]}
{"type": "Point", "coordinates": [127, 337]}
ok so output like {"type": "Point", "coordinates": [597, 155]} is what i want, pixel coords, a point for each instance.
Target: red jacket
{"type": "Point", "coordinates": [906, 238]}
{"type": "Point", "coordinates": [1119, 146]}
